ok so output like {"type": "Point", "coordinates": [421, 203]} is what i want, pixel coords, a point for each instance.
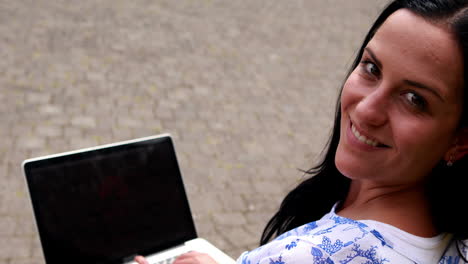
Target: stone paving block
{"type": "Point", "coordinates": [25, 224]}
{"type": "Point", "coordinates": [105, 120]}
{"type": "Point", "coordinates": [15, 157]}
{"type": "Point", "coordinates": [205, 204]}
{"type": "Point", "coordinates": [122, 133]}
{"type": "Point", "coordinates": [84, 121]}
{"type": "Point", "coordinates": [12, 247]}
{"type": "Point", "coordinates": [229, 219]}
{"type": "Point", "coordinates": [72, 132]}
{"type": "Point", "coordinates": [15, 204]}
{"type": "Point", "coordinates": [49, 109]}
{"type": "Point", "coordinates": [142, 113]}
{"type": "Point", "coordinates": [21, 130]}
{"type": "Point", "coordinates": [54, 145]}
{"type": "Point", "coordinates": [203, 222]}
{"type": "Point", "coordinates": [258, 218]}
{"type": "Point", "coordinates": [37, 253]}
{"type": "Point", "coordinates": [57, 120]}
{"type": "Point", "coordinates": [7, 226]}
{"type": "Point", "coordinates": [236, 234]}
{"type": "Point", "coordinates": [243, 187]}
{"type": "Point", "coordinates": [95, 77]}
{"type": "Point", "coordinates": [40, 98]}
{"type": "Point", "coordinates": [219, 179]}
{"type": "Point", "coordinates": [85, 142]}
{"type": "Point", "coordinates": [163, 113]}
{"type": "Point", "coordinates": [145, 132]}
{"type": "Point", "coordinates": [232, 202]}
{"type": "Point", "coordinates": [13, 180]}
{"type": "Point", "coordinates": [268, 187]}
{"type": "Point", "coordinates": [3, 168]}
{"type": "Point", "coordinates": [255, 231]}
{"type": "Point", "coordinates": [130, 122]}
{"type": "Point", "coordinates": [33, 142]}
{"type": "Point", "coordinates": [101, 112]}
{"type": "Point", "coordinates": [266, 202]}
{"type": "Point", "coordinates": [48, 131]}
{"type": "Point", "coordinates": [25, 261]}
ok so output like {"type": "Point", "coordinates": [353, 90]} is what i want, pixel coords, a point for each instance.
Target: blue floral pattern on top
{"type": "Point", "coordinates": [292, 245]}
{"type": "Point", "coordinates": [336, 240]}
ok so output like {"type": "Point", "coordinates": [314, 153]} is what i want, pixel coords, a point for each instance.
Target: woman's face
{"type": "Point", "coordinates": [402, 104]}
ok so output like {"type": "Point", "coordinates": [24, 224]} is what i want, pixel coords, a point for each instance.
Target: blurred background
{"type": "Point", "coordinates": [247, 88]}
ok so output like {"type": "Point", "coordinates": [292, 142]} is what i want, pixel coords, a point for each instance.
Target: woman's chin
{"type": "Point", "coordinates": [353, 169]}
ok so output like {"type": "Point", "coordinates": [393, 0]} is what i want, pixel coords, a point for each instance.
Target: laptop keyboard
{"type": "Point", "coordinates": [167, 261]}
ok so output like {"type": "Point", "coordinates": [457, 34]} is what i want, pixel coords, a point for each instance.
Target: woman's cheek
{"type": "Point", "coordinates": [350, 91]}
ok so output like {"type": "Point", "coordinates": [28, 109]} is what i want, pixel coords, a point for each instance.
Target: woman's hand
{"type": "Point", "coordinates": [191, 257]}
{"type": "Point", "coordinates": [194, 257]}
{"type": "Point", "coordinates": [141, 260]}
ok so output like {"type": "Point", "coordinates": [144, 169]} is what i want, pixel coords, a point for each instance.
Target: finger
{"type": "Point", "coordinates": [194, 257]}
{"type": "Point", "coordinates": [186, 258]}
{"type": "Point", "coordinates": [184, 261]}
{"type": "Point", "coordinates": [141, 260]}
{"type": "Point", "coordinates": [190, 254]}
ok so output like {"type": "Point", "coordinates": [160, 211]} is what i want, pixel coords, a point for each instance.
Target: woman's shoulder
{"type": "Point", "coordinates": [332, 239]}
{"type": "Point", "coordinates": [333, 227]}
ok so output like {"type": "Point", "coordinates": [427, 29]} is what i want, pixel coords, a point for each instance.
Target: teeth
{"type": "Point", "coordinates": [363, 138]}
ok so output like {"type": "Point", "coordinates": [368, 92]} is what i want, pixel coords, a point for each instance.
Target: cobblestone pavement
{"type": "Point", "coordinates": [247, 89]}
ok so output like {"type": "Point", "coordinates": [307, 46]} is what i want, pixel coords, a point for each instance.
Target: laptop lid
{"type": "Point", "coordinates": [108, 203]}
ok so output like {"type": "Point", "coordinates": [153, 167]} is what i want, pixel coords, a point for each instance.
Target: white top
{"type": "Point", "coordinates": [336, 239]}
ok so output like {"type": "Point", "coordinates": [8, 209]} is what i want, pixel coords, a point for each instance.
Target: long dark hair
{"type": "Point", "coordinates": [446, 186]}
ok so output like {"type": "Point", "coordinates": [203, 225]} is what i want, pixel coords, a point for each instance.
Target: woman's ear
{"type": "Point", "coordinates": [460, 148]}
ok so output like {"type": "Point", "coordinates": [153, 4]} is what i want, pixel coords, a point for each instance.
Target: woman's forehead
{"type": "Point", "coordinates": [409, 44]}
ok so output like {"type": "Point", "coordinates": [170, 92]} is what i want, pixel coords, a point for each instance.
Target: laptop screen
{"type": "Point", "coordinates": [106, 204]}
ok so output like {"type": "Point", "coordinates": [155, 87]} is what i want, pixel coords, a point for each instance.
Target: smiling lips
{"type": "Point", "coordinates": [365, 139]}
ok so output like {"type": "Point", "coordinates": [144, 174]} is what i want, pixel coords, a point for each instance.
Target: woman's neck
{"type": "Point", "coordinates": [404, 207]}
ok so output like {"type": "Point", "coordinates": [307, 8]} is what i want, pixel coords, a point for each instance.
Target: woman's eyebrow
{"type": "Point", "coordinates": [374, 58]}
{"type": "Point", "coordinates": [425, 87]}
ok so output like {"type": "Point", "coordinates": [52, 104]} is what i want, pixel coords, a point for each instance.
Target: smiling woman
{"type": "Point", "coordinates": [396, 164]}
{"type": "Point", "coordinates": [402, 104]}
{"type": "Point", "coordinates": [392, 183]}
{"type": "Point", "coordinates": [400, 110]}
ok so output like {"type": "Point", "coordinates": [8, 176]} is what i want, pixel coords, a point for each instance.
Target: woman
{"type": "Point", "coordinates": [395, 172]}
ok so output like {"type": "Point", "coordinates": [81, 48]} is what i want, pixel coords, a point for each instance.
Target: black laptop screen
{"type": "Point", "coordinates": [104, 205]}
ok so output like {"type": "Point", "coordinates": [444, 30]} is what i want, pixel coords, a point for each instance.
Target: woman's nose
{"type": "Point", "coordinates": [372, 109]}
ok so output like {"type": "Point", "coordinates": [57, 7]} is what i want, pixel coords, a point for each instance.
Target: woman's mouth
{"type": "Point", "coordinates": [364, 139]}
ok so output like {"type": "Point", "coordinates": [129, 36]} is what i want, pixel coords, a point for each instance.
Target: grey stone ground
{"type": "Point", "coordinates": [246, 87]}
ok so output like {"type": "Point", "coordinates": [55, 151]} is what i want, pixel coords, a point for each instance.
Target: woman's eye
{"type": "Point", "coordinates": [416, 100]}
{"type": "Point", "coordinates": [370, 68]}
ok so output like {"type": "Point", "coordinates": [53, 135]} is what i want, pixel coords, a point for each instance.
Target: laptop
{"type": "Point", "coordinates": [108, 203]}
